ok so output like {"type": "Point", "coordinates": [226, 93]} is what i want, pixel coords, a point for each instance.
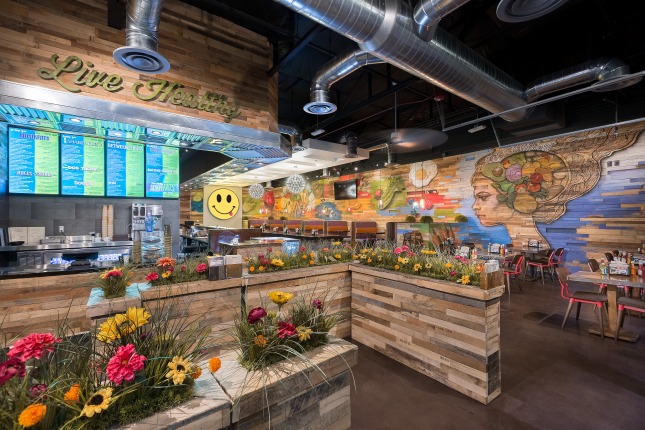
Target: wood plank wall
{"type": "Point", "coordinates": [206, 53]}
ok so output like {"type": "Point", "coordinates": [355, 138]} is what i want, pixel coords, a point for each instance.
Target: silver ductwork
{"type": "Point", "coordinates": [331, 72]}
{"type": "Point", "coordinates": [428, 13]}
{"type": "Point", "coordinates": [386, 29]}
{"type": "Point", "coordinates": [293, 132]}
{"type": "Point", "coordinates": [351, 141]}
{"type": "Point", "coordinates": [142, 26]}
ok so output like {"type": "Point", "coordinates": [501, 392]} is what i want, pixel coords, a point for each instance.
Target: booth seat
{"type": "Point", "coordinates": [272, 223]}
{"type": "Point", "coordinates": [364, 231]}
{"type": "Point", "coordinates": [256, 223]}
{"type": "Point", "coordinates": [292, 224]}
{"type": "Point", "coordinates": [314, 224]}
{"type": "Point", "coordinates": [337, 227]}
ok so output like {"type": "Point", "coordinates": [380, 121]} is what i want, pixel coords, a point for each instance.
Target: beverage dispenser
{"type": "Point", "coordinates": [147, 219]}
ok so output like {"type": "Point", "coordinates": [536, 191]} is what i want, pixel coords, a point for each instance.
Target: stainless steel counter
{"type": "Point", "coordinates": [64, 246]}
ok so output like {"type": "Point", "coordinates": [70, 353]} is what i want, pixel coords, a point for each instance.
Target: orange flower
{"type": "Point", "coordinates": [32, 415]}
{"type": "Point", "coordinates": [261, 268]}
{"type": "Point", "coordinates": [196, 372]}
{"type": "Point", "coordinates": [260, 341]}
{"type": "Point", "coordinates": [214, 364]}
{"type": "Point", "coordinates": [396, 267]}
{"type": "Point", "coordinates": [166, 262]}
{"type": "Point", "coordinates": [252, 269]}
{"type": "Point", "coordinates": [72, 395]}
{"type": "Point", "coordinates": [312, 262]}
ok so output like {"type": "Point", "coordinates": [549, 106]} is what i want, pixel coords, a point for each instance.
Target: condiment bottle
{"type": "Point", "coordinates": [603, 267]}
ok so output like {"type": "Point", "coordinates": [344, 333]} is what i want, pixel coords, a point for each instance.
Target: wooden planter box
{"type": "Point", "coordinates": [444, 330]}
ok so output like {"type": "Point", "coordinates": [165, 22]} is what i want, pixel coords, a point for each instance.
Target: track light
{"type": "Point", "coordinates": [317, 132]}
{"type": "Point", "coordinates": [478, 127]}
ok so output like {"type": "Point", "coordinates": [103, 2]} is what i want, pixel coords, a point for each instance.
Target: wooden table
{"type": "Point", "coordinates": [611, 281]}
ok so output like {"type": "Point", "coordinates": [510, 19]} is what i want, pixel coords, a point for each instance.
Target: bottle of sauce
{"type": "Point", "coordinates": [603, 267]}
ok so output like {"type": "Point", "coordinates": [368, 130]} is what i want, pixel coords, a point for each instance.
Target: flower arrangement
{"type": "Point", "coordinates": [265, 336]}
{"type": "Point", "coordinates": [272, 261]}
{"type": "Point", "coordinates": [113, 282]}
{"type": "Point", "coordinates": [337, 252]}
{"type": "Point", "coordinates": [167, 271]}
{"type": "Point", "coordinates": [424, 262]}
{"type": "Point", "coordinates": [129, 367]}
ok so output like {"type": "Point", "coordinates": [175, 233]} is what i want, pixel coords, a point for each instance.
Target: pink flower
{"type": "Point", "coordinates": [255, 315]}
{"type": "Point", "coordinates": [269, 249]}
{"type": "Point", "coordinates": [405, 248]}
{"type": "Point", "coordinates": [303, 249]}
{"type": "Point", "coordinates": [398, 250]}
{"type": "Point", "coordinates": [286, 329]}
{"type": "Point", "coordinates": [183, 267]}
{"type": "Point", "coordinates": [317, 304]}
{"type": "Point", "coordinates": [114, 274]}
{"type": "Point", "coordinates": [152, 276]}
{"type": "Point", "coordinates": [453, 273]}
{"type": "Point", "coordinates": [37, 390]}
{"type": "Point", "coordinates": [201, 268]}
{"type": "Point", "coordinates": [125, 362]}
{"type": "Point", "coordinates": [33, 346]}
{"type": "Point", "coordinates": [260, 255]}
{"type": "Point", "coordinates": [10, 368]}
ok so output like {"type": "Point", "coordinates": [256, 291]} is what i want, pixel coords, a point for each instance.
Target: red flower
{"type": "Point", "coordinates": [125, 362]}
{"type": "Point", "coordinates": [183, 267]}
{"type": "Point", "coordinates": [37, 390]}
{"type": "Point", "coordinates": [286, 329]}
{"type": "Point", "coordinates": [269, 249]}
{"type": "Point", "coordinates": [453, 273]}
{"type": "Point", "coordinates": [10, 368]}
{"type": "Point", "coordinates": [201, 268]}
{"type": "Point", "coordinates": [317, 304]}
{"type": "Point", "coordinates": [152, 276]}
{"type": "Point", "coordinates": [303, 249]}
{"type": "Point", "coordinates": [114, 274]}
{"type": "Point", "coordinates": [33, 346]}
{"type": "Point", "coordinates": [255, 315]}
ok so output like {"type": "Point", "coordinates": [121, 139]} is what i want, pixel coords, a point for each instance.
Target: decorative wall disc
{"type": "Point", "coordinates": [256, 191]}
{"type": "Point", "coordinates": [295, 183]}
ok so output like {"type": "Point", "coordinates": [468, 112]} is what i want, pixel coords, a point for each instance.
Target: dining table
{"type": "Point", "coordinates": [612, 282]}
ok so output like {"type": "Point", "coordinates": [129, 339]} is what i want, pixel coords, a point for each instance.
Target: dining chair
{"type": "Point", "coordinates": [558, 258]}
{"type": "Point", "coordinates": [609, 256]}
{"type": "Point", "coordinates": [542, 263]}
{"type": "Point", "coordinates": [595, 267]}
{"type": "Point", "coordinates": [514, 268]}
{"type": "Point", "coordinates": [580, 297]}
{"type": "Point", "coordinates": [630, 304]}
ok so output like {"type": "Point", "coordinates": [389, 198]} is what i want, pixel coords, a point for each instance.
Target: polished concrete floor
{"type": "Point", "coordinates": [551, 379]}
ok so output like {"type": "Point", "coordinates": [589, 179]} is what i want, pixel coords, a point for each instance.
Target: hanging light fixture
{"type": "Point", "coordinates": [380, 194]}
{"type": "Point", "coordinates": [422, 202]}
{"type": "Point", "coordinates": [256, 191]}
{"type": "Point", "coordinates": [295, 183]}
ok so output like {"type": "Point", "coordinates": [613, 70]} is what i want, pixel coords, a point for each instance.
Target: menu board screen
{"type": "Point", "coordinates": [82, 165]}
{"type": "Point", "coordinates": [33, 161]}
{"type": "Point", "coordinates": [125, 174]}
{"type": "Point", "coordinates": [162, 172]}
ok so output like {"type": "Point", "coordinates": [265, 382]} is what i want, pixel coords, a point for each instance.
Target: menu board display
{"type": "Point", "coordinates": [162, 172]}
{"type": "Point", "coordinates": [82, 165]}
{"type": "Point", "coordinates": [33, 161]}
{"type": "Point", "coordinates": [125, 177]}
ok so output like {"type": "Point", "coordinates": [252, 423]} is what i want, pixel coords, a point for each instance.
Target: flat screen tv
{"type": "Point", "coordinates": [345, 190]}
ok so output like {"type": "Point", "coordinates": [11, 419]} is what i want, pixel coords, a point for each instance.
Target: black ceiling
{"type": "Point", "coordinates": [578, 31]}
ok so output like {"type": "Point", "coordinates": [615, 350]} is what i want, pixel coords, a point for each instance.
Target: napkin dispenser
{"type": "Point", "coordinates": [233, 266]}
{"type": "Point", "coordinates": [618, 268]}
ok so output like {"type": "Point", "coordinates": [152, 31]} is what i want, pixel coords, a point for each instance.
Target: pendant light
{"type": "Point", "coordinates": [422, 202]}
{"type": "Point", "coordinates": [380, 185]}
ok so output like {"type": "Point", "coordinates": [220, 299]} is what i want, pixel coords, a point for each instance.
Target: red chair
{"type": "Point", "coordinates": [514, 268]}
{"type": "Point", "coordinates": [580, 297]}
{"type": "Point", "coordinates": [631, 304]}
{"type": "Point", "coordinates": [543, 263]}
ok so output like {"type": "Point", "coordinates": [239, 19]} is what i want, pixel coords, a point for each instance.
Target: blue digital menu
{"type": "Point", "coordinates": [33, 161]}
{"type": "Point", "coordinates": [162, 172]}
{"type": "Point", "coordinates": [125, 169]}
{"type": "Point", "coordinates": [82, 165]}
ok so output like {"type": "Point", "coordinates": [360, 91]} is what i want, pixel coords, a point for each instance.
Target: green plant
{"type": "Point", "coordinates": [270, 218]}
{"type": "Point", "coordinates": [283, 218]}
{"type": "Point", "coordinates": [167, 272]}
{"type": "Point", "coordinates": [271, 261]}
{"type": "Point", "coordinates": [410, 218]}
{"type": "Point", "coordinates": [113, 282]}
{"type": "Point", "coordinates": [461, 218]}
{"type": "Point", "coordinates": [426, 219]}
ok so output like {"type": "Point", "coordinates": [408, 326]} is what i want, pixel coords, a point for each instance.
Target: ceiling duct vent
{"type": "Point", "coordinates": [351, 141]}
{"type": "Point", "coordinates": [141, 32]}
{"type": "Point", "coordinates": [542, 118]}
{"type": "Point", "coordinates": [325, 173]}
{"type": "Point", "coordinates": [526, 10]}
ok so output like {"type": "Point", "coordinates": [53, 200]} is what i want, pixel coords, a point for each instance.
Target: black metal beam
{"type": "Point", "coordinates": [311, 35]}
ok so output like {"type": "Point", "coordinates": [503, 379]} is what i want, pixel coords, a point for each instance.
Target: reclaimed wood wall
{"type": "Point", "coordinates": [206, 53]}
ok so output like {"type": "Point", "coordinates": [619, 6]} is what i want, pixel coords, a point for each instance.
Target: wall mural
{"type": "Point", "coordinates": [509, 194]}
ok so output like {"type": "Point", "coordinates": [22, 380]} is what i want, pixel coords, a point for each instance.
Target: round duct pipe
{"type": "Point", "coordinates": [351, 141]}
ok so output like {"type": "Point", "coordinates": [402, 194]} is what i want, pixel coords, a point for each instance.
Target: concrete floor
{"type": "Point", "coordinates": [551, 379]}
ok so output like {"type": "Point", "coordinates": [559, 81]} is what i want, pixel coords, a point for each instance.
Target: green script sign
{"type": "Point", "coordinates": [154, 89]}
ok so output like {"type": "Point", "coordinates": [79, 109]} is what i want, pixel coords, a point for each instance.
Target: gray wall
{"type": "Point", "coordinates": [82, 215]}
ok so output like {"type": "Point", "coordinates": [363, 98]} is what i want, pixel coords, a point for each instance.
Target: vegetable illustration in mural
{"type": "Point", "coordinates": [249, 204]}
{"type": "Point", "coordinates": [390, 187]}
{"type": "Point", "coordinates": [269, 198]}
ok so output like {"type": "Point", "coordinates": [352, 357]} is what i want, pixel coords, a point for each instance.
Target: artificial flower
{"type": "Point", "coordinates": [166, 262]}
{"type": "Point", "coordinates": [399, 260]}
{"type": "Point", "coordinates": [286, 329]}
{"type": "Point", "coordinates": [195, 372]}
{"type": "Point", "coordinates": [252, 269]}
{"type": "Point", "coordinates": [179, 368]}
{"type": "Point", "coordinates": [428, 266]}
{"type": "Point", "coordinates": [312, 255]}
{"type": "Point", "coordinates": [261, 269]}
{"type": "Point", "coordinates": [305, 256]}
{"type": "Point", "coordinates": [277, 262]}
{"type": "Point", "coordinates": [166, 275]}
{"type": "Point", "coordinates": [405, 260]}
{"type": "Point", "coordinates": [10, 368]}
{"type": "Point", "coordinates": [398, 250]}
{"type": "Point", "coordinates": [33, 346]}
{"type": "Point", "coordinates": [280, 297]}
{"type": "Point", "coordinates": [453, 273]}
{"type": "Point", "coordinates": [183, 268]}
{"type": "Point", "coordinates": [304, 333]}
{"type": "Point", "coordinates": [312, 262]}
{"type": "Point", "coordinates": [397, 267]}
{"type": "Point", "coordinates": [317, 303]}
{"type": "Point", "coordinates": [152, 277]}
{"type": "Point", "coordinates": [337, 256]}
{"type": "Point", "coordinates": [335, 243]}
{"type": "Point", "coordinates": [448, 265]}
{"type": "Point", "coordinates": [425, 251]}
{"type": "Point", "coordinates": [37, 390]}
{"type": "Point", "coordinates": [417, 267]}
{"type": "Point", "coordinates": [73, 394]}
{"type": "Point", "coordinates": [32, 415]}
{"type": "Point", "coordinates": [97, 403]}
{"type": "Point", "coordinates": [255, 315]}
{"type": "Point", "coordinates": [201, 268]}
{"type": "Point", "coordinates": [465, 279]}
{"type": "Point", "coordinates": [124, 364]}
{"type": "Point", "coordinates": [214, 364]}
{"type": "Point", "coordinates": [260, 341]}
{"type": "Point", "coordinates": [122, 324]}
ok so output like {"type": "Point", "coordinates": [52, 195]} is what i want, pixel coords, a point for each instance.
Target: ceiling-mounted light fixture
{"type": "Point", "coordinates": [295, 184]}
{"type": "Point", "coordinates": [256, 191]}
{"type": "Point", "coordinates": [478, 127]}
{"type": "Point", "coordinates": [317, 132]}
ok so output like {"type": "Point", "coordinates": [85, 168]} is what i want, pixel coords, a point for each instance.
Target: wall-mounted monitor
{"type": "Point", "coordinates": [345, 190]}
{"type": "Point", "coordinates": [162, 172]}
{"type": "Point", "coordinates": [33, 161]}
{"type": "Point", "coordinates": [125, 169]}
{"type": "Point", "coordinates": [82, 164]}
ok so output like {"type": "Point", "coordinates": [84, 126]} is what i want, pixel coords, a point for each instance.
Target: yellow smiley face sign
{"type": "Point", "coordinates": [223, 203]}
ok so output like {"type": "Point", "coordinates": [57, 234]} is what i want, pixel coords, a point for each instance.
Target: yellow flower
{"type": "Point", "coordinates": [260, 341]}
{"type": "Point", "coordinates": [196, 372]}
{"type": "Point", "coordinates": [337, 256]}
{"type": "Point", "coordinates": [417, 267]}
{"type": "Point", "coordinates": [179, 368]}
{"type": "Point", "coordinates": [312, 255]}
{"type": "Point", "coordinates": [335, 243]}
{"type": "Point", "coordinates": [448, 265]}
{"type": "Point", "coordinates": [400, 259]}
{"type": "Point", "coordinates": [365, 251]}
{"type": "Point", "coordinates": [166, 275]}
{"type": "Point", "coordinates": [72, 395]}
{"type": "Point", "coordinates": [122, 324]}
{"type": "Point", "coordinates": [428, 265]}
{"type": "Point", "coordinates": [312, 262]}
{"type": "Point", "coordinates": [277, 262]}
{"type": "Point", "coordinates": [280, 297]}
{"type": "Point", "coordinates": [369, 260]}
{"type": "Point", "coordinates": [261, 269]}
{"type": "Point", "coordinates": [405, 260]}
{"type": "Point", "coordinates": [373, 254]}
{"type": "Point", "coordinates": [465, 279]}
{"type": "Point", "coordinates": [251, 269]}
{"type": "Point", "coordinates": [425, 251]}
{"type": "Point", "coordinates": [32, 415]}
{"type": "Point", "coordinates": [304, 333]}
{"type": "Point", "coordinates": [304, 256]}
{"type": "Point", "coordinates": [396, 267]}
{"type": "Point", "coordinates": [214, 364]}
{"type": "Point", "coordinates": [97, 403]}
